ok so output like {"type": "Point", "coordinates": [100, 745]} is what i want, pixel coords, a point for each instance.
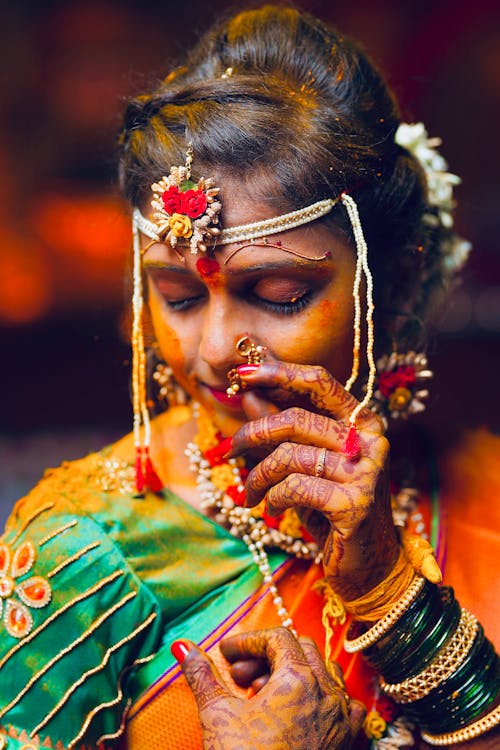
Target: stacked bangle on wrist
{"type": "Point", "coordinates": [436, 662]}
{"type": "Point", "coordinates": [384, 625]}
{"type": "Point", "coordinates": [421, 612]}
{"type": "Point", "coordinates": [463, 696]}
{"type": "Point", "coordinates": [470, 732]}
{"type": "Point", "coordinates": [422, 649]}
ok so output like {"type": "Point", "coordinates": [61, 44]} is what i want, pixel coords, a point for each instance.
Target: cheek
{"type": "Point", "coordinates": [323, 337]}
{"type": "Point", "coordinates": [169, 339]}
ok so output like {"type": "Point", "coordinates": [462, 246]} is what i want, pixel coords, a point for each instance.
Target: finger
{"type": "Point", "coordinates": [260, 682]}
{"type": "Point", "coordinates": [289, 458]}
{"type": "Point", "coordinates": [298, 426]}
{"type": "Point", "coordinates": [203, 678]}
{"type": "Point", "coordinates": [245, 671]}
{"type": "Point", "coordinates": [276, 645]}
{"type": "Point", "coordinates": [344, 505]}
{"type": "Point", "coordinates": [357, 715]}
{"type": "Point", "coordinates": [325, 680]}
{"type": "Point", "coordinates": [255, 406]}
{"type": "Point", "coordinates": [314, 382]}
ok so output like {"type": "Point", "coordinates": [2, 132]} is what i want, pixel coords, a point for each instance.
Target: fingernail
{"type": "Point", "coordinates": [225, 446]}
{"type": "Point", "coordinates": [244, 370]}
{"type": "Point", "coordinates": [180, 649]}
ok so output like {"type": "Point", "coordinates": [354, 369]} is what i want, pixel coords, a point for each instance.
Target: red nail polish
{"type": "Point", "coordinates": [247, 369]}
{"type": "Point", "coordinates": [180, 649]}
{"type": "Point", "coordinates": [225, 445]}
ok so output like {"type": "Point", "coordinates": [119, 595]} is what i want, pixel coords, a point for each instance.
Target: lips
{"type": "Point", "coordinates": [220, 395]}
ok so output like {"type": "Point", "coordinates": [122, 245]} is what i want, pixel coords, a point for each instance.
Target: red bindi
{"type": "Point", "coordinates": [207, 267]}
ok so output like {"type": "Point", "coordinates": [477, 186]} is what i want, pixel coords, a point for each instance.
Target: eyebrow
{"type": "Point", "coordinates": [276, 266]}
{"type": "Point", "coordinates": [284, 265]}
{"type": "Point", "coordinates": [159, 265]}
{"type": "Point", "coordinates": [279, 246]}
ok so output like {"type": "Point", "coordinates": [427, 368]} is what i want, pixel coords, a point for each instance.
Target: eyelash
{"type": "Point", "coordinates": [285, 308]}
{"type": "Point", "coordinates": [182, 304]}
{"type": "Point", "coordinates": [280, 308]}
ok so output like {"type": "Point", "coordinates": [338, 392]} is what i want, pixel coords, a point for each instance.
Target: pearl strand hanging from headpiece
{"type": "Point", "coordinates": [351, 447]}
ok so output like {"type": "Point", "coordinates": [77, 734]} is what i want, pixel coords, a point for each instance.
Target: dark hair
{"type": "Point", "coordinates": [304, 115]}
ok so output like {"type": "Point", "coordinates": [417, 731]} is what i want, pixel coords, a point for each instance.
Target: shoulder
{"type": "Point", "coordinates": [75, 617]}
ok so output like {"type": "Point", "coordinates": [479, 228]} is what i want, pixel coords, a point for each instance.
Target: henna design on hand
{"type": "Point", "coordinates": [300, 706]}
{"type": "Point", "coordinates": [360, 541]}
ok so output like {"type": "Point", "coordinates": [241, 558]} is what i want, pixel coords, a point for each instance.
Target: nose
{"type": "Point", "coordinates": [223, 325]}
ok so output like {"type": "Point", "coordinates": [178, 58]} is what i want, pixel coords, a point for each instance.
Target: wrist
{"type": "Point", "coordinates": [437, 664]}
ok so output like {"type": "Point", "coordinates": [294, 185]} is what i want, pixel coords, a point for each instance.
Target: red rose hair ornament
{"type": "Point", "coordinates": [184, 209]}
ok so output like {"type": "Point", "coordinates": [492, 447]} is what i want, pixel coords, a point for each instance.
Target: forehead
{"type": "Point", "coordinates": [300, 247]}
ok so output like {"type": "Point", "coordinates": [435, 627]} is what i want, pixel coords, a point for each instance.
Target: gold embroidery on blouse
{"type": "Point", "coordinates": [92, 590]}
{"type": "Point", "coordinates": [73, 558]}
{"type": "Point", "coordinates": [126, 710]}
{"type": "Point", "coordinates": [55, 533]}
{"type": "Point", "coordinates": [69, 692]}
{"type": "Point", "coordinates": [121, 728]}
{"type": "Point", "coordinates": [95, 625]}
{"type": "Point", "coordinates": [119, 695]}
{"type": "Point", "coordinates": [113, 475]}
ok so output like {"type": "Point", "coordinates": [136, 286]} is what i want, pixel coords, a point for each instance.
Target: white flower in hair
{"type": "Point", "coordinates": [440, 184]}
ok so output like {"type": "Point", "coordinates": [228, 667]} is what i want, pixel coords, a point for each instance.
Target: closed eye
{"type": "Point", "coordinates": [286, 307]}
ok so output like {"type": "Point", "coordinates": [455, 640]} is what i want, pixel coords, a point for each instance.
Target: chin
{"type": "Point", "coordinates": [227, 423]}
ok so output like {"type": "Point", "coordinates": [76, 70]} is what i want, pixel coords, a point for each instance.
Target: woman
{"type": "Point", "coordinates": [283, 240]}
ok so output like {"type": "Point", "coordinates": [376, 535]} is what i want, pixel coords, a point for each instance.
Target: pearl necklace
{"type": "Point", "coordinates": [248, 524]}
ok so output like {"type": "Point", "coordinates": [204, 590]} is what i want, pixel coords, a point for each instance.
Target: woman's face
{"type": "Point", "coordinates": [293, 296]}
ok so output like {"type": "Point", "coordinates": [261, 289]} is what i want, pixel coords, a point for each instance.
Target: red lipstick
{"type": "Point", "coordinates": [233, 402]}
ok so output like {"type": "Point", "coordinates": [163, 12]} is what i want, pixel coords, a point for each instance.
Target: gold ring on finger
{"type": "Point", "coordinates": [319, 469]}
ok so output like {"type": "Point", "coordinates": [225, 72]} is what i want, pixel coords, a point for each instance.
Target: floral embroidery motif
{"type": "Point", "coordinates": [32, 592]}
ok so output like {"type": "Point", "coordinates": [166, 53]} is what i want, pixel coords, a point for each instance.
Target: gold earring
{"type": "Point", "coordinates": [253, 353]}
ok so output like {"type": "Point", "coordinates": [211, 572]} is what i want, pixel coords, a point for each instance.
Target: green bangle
{"type": "Point", "coordinates": [463, 696]}
{"type": "Point", "coordinates": [426, 649]}
{"type": "Point", "coordinates": [425, 607]}
{"type": "Point", "coordinates": [422, 647]}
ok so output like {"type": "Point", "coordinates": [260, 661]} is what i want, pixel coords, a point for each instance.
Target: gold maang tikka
{"type": "Point", "coordinates": [254, 355]}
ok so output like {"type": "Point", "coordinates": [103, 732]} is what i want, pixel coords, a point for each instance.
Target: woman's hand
{"type": "Point", "coordinates": [360, 546]}
{"type": "Point", "coordinates": [300, 707]}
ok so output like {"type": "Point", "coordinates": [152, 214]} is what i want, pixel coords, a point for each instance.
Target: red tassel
{"type": "Point", "coordinates": [153, 481]}
{"type": "Point", "coordinates": [139, 476]}
{"type": "Point", "coordinates": [351, 446]}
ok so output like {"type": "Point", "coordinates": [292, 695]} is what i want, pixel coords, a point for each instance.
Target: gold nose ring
{"type": "Point", "coordinates": [253, 353]}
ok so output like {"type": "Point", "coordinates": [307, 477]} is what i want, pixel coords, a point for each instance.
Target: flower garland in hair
{"type": "Point", "coordinates": [401, 385]}
{"type": "Point", "coordinates": [184, 209]}
{"type": "Point", "coordinates": [440, 184]}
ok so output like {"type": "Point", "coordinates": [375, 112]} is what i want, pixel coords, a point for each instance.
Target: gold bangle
{"type": "Point", "coordinates": [447, 661]}
{"type": "Point", "coordinates": [385, 624]}
{"type": "Point", "coordinates": [469, 732]}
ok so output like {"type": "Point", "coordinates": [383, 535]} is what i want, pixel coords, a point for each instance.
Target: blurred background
{"type": "Point", "coordinates": [66, 68]}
